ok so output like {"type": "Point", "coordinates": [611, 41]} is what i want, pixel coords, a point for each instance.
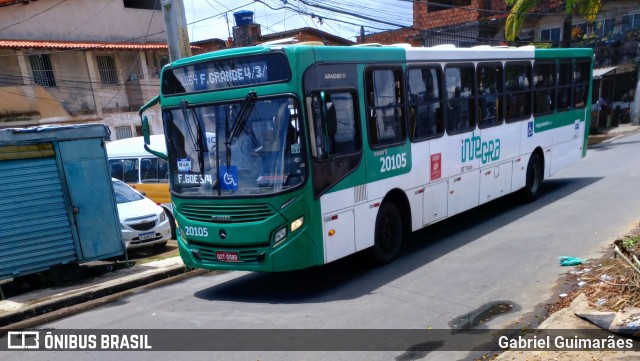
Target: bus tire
{"type": "Point", "coordinates": [535, 170]}
{"type": "Point", "coordinates": [388, 234]}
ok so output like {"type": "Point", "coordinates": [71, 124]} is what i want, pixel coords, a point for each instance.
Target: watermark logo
{"type": "Point", "coordinates": [23, 340]}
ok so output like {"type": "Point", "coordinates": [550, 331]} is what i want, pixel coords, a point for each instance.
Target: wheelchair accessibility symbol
{"type": "Point", "coordinates": [229, 178]}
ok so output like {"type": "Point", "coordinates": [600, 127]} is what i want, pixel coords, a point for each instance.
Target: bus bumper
{"type": "Point", "coordinates": [296, 253]}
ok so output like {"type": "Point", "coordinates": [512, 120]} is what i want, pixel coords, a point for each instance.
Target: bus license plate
{"type": "Point", "coordinates": [146, 236]}
{"type": "Point", "coordinates": [227, 256]}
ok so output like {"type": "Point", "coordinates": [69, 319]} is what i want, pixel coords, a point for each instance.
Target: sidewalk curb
{"type": "Point", "coordinates": [55, 304]}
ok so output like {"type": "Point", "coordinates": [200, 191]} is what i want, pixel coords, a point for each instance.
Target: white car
{"type": "Point", "coordinates": [143, 222]}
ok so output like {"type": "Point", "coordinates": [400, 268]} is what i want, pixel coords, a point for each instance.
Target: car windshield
{"type": "Point", "coordinates": [248, 147]}
{"type": "Point", "coordinates": [124, 193]}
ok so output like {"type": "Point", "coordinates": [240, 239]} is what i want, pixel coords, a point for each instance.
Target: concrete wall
{"type": "Point", "coordinates": [132, 120]}
{"type": "Point", "coordinates": [9, 68]}
{"type": "Point", "coordinates": [80, 20]}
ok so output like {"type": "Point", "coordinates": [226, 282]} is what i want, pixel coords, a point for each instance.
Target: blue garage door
{"type": "Point", "coordinates": [34, 224]}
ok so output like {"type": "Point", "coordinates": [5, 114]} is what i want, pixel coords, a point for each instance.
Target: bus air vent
{"type": "Point", "coordinates": [226, 213]}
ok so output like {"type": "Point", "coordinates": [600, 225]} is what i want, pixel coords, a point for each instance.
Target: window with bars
{"type": "Point", "coordinates": [123, 132]}
{"type": "Point", "coordinates": [42, 70]}
{"type": "Point", "coordinates": [107, 69]}
{"type": "Point", "coordinates": [164, 60]}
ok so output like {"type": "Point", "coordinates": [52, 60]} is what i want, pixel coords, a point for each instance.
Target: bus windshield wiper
{"type": "Point", "coordinates": [197, 136]}
{"type": "Point", "coordinates": [238, 125]}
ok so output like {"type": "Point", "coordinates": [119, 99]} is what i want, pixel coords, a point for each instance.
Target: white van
{"type": "Point", "coordinates": [132, 164]}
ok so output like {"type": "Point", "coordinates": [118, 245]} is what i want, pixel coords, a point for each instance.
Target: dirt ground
{"type": "Point", "coordinates": [607, 284]}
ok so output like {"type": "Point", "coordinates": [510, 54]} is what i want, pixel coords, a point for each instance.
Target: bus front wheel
{"type": "Point", "coordinates": [388, 234]}
{"type": "Point", "coordinates": [535, 170]}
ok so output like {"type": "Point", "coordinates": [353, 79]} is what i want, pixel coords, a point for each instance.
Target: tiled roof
{"type": "Point", "coordinates": [79, 45]}
{"type": "Point", "coordinates": [310, 30]}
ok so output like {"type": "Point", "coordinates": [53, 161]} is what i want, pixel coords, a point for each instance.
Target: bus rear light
{"type": "Point", "coordinates": [331, 218]}
{"type": "Point", "coordinates": [375, 205]}
{"type": "Point", "coordinates": [297, 224]}
{"type": "Point", "coordinates": [332, 232]}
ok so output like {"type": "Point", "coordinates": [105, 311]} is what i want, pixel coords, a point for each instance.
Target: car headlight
{"type": "Point", "coordinates": [163, 216]}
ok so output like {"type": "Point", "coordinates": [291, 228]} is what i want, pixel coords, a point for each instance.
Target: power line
{"type": "Point", "coordinates": [135, 61]}
{"type": "Point", "coordinates": [32, 16]}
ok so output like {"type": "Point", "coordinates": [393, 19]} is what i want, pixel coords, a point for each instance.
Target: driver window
{"type": "Point", "coordinates": [334, 124]}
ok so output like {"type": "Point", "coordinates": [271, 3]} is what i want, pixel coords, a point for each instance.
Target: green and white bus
{"type": "Point", "coordinates": [283, 157]}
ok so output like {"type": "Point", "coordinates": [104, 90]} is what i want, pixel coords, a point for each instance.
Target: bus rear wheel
{"type": "Point", "coordinates": [388, 234]}
{"type": "Point", "coordinates": [531, 190]}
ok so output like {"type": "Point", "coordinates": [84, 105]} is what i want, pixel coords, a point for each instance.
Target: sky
{"type": "Point", "coordinates": [207, 17]}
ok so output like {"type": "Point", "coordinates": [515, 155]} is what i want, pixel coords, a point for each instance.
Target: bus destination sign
{"type": "Point", "coordinates": [225, 74]}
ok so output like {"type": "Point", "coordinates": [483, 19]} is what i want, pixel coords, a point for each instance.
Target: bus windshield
{"type": "Point", "coordinates": [249, 147]}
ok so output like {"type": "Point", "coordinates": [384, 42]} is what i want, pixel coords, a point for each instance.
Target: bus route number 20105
{"type": "Point", "coordinates": [196, 231]}
{"type": "Point", "coordinates": [393, 162]}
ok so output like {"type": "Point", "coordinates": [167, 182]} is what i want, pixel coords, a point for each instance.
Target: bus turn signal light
{"type": "Point", "coordinates": [332, 232]}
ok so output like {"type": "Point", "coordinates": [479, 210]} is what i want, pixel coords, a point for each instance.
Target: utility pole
{"type": "Point", "coordinates": [176, 24]}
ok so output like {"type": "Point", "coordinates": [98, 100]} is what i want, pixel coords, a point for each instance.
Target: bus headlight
{"type": "Point", "coordinates": [280, 234]}
{"type": "Point", "coordinates": [297, 224]}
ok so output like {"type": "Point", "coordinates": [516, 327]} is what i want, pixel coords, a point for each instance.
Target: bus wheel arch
{"type": "Point", "coordinates": [391, 227]}
{"type": "Point", "coordinates": [534, 176]}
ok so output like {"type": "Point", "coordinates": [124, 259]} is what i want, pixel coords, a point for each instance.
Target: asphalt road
{"type": "Point", "coordinates": [501, 252]}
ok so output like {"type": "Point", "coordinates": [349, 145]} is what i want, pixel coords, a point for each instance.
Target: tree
{"type": "Point", "coordinates": [587, 8]}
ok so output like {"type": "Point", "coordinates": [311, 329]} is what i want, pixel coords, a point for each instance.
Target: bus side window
{"type": "Point", "coordinates": [518, 88]}
{"type": "Point", "coordinates": [461, 109]}
{"type": "Point", "coordinates": [425, 102]}
{"type": "Point", "coordinates": [565, 74]}
{"type": "Point", "coordinates": [489, 94]}
{"type": "Point", "coordinates": [581, 83]}
{"type": "Point", "coordinates": [544, 92]}
{"type": "Point", "coordinates": [385, 107]}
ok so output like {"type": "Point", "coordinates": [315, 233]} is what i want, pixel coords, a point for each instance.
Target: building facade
{"type": "Point", "coordinates": [80, 62]}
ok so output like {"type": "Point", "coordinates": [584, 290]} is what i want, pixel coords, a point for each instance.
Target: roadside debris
{"type": "Point", "coordinates": [571, 261]}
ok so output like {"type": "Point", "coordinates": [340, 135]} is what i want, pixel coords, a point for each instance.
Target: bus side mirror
{"type": "Point", "coordinates": [145, 130]}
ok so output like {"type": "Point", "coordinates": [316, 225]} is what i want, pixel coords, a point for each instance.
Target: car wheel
{"type": "Point", "coordinates": [158, 247]}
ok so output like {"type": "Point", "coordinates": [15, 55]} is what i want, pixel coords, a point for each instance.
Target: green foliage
{"type": "Point", "coordinates": [544, 45]}
{"type": "Point", "coordinates": [630, 242]}
{"type": "Point", "coordinates": [587, 8]}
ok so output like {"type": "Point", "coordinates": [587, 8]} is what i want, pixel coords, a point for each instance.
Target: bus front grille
{"type": "Point", "coordinates": [226, 213]}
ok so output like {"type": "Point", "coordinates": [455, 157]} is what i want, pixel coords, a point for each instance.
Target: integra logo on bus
{"type": "Point", "coordinates": [474, 148]}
